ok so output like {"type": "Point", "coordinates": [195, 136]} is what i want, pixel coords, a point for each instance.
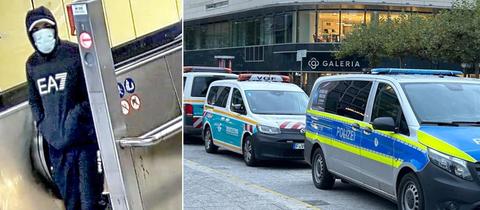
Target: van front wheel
{"type": "Point", "coordinates": [322, 178]}
{"type": "Point", "coordinates": [208, 140]}
{"type": "Point", "coordinates": [410, 194]}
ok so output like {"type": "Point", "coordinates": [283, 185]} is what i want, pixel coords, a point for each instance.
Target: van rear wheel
{"type": "Point", "coordinates": [410, 194]}
{"type": "Point", "coordinates": [322, 178]}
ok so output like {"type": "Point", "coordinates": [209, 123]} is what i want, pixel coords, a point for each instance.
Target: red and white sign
{"type": "Point", "coordinates": [86, 40]}
{"type": "Point", "coordinates": [135, 102]}
{"type": "Point", "coordinates": [125, 107]}
{"type": "Point", "coordinates": [292, 125]}
{"type": "Point", "coordinates": [197, 122]}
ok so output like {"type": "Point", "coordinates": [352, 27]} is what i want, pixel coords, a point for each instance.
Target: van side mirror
{"type": "Point", "coordinates": [238, 108]}
{"type": "Point", "coordinates": [384, 124]}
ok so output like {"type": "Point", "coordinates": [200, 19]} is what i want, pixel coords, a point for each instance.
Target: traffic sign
{"type": "Point", "coordinates": [135, 102]}
{"type": "Point", "coordinates": [129, 85]}
{"type": "Point", "coordinates": [85, 40]}
{"type": "Point", "coordinates": [125, 107]}
{"type": "Point", "coordinates": [121, 89]}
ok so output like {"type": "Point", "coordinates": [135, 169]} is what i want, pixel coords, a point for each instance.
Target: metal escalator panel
{"type": "Point", "coordinates": [155, 90]}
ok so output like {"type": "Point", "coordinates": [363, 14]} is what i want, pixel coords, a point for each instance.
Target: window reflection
{"type": "Point", "coordinates": [351, 19]}
{"type": "Point", "coordinates": [307, 27]}
{"type": "Point", "coordinates": [328, 26]}
{"type": "Point", "coordinates": [321, 26]}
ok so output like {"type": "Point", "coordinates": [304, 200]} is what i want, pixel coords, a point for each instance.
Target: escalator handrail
{"type": "Point", "coordinates": [160, 134]}
{"type": "Point", "coordinates": [135, 65]}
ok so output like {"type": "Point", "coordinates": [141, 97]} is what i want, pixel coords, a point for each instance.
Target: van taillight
{"type": "Point", "coordinates": [188, 109]}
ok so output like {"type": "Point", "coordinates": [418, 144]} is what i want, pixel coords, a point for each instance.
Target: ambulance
{"type": "Point", "coordinates": [196, 80]}
{"type": "Point", "coordinates": [259, 116]}
{"type": "Point", "coordinates": [409, 135]}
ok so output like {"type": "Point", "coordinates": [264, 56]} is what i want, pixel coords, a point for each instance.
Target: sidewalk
{"type": "Point", "coordinates": [205, 189]}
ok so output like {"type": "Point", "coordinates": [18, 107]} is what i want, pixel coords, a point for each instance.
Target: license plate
{"type": "Point", "coordinates": [299, 146]}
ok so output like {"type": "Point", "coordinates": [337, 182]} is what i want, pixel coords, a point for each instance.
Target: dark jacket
{"type": "Point", "coordinates": [57, 91]}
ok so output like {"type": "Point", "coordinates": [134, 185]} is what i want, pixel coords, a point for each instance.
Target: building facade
{"type": "Point", "coordinates": [266, 35]}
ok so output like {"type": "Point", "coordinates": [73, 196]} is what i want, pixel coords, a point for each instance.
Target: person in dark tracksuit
{"type": "Point", "coordinates": [60, 106]}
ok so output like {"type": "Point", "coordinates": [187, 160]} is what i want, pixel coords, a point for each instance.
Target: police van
{"type": "Point", "coordinates": [259, 116]}
{"type": "Point", "coordinates": [412, 136]}
{"type": "Point", "coordinates": [196, 80]}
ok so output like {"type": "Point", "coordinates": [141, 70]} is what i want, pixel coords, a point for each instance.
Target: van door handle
{"type": "Point", "coordinates": [355, 126]}
{"type": "Point", "coordinates": [367, 131]}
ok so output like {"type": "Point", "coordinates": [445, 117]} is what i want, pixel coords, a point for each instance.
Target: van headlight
{"type": "Point", "coordinates": [451, 164]}
{"type": "Point", "coordinates": [268, 129]}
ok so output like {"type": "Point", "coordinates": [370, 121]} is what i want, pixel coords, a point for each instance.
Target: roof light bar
{"type": "Point", "coordinates": [187, 69]}
{"type": "Point", "coordinates": [415, 71]}
{"type": "Point", "coordinates": [264, 78]}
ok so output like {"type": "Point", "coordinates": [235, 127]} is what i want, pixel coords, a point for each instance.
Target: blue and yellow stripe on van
{"type": "Point", "coordinates": [231, 115]}
{"type": "Point", "coordinates": [228, 132]}
{"type": "Point", "coordinates": [407, 150]}
{"type": "Point", "coordinates": [453, 141]}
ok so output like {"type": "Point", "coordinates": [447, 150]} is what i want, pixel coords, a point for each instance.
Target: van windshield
{"type": "Point", "coordinates": [444, 103]}
{"type": "Point", "coordinates": [277, 102]}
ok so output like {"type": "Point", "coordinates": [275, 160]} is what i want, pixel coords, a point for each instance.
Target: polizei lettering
{"type": "Point", "coordinates": [345, 134]}
{"type": "Point", "coordinates": [352, 64]}
{"type": "Point", "coordinates": [47, 84]}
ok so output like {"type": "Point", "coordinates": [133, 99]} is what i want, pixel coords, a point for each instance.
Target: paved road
{"type": "Point", "coordinates": [223, 181]}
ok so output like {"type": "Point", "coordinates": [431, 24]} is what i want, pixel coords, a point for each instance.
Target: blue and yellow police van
{"type": "Point", "coordinates": [196, 80]}
{"type": "Point", "coordinates": [258, 116]}
{"type": "Point", "coordinates": [412, 136]}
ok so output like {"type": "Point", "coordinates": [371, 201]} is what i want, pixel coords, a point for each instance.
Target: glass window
{"type": "Point", "coordinates": [268, 30]}
{"type": "Point", "coordinates": [238, 33]}
{"type": "Point", "coordinates": [212, 95]}
{"type": "Point", "coordinates": [276, 102]}
{"type": "Point", "coordinates": [237, 100]}
{"type": "Point", "coordinates": [200, 85]}
{"type": "Point", "coordinates": [306, 27]}
{"type": "Point", "coordinates": [386, 104]}
{"type": "Point", "coordinates": [444, 102]}
{"type": "Point", "coordinates": [289, 27]}
{"type": "Point", "coordinates": [345, 98]}
{"type": "Point", "coordinates": [218, 96]}
{"type": "Point", "coordinates": [328, 26]}
{"type": "Point", "coordinates": [319, 95]}
{"type": "Point", "coordinates": [351, 19]}
{"type": "Point", "coordinates": [252, 32]}
{"type": "Point", "coordinates": [217, 35]}
{"type": "Point", "coordinates": [279, 27]}
{"type": "Point", "coordinates": [282, 25]}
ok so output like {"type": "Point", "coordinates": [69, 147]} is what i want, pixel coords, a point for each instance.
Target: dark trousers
{"type": "Point", "coordinates": [76, 175]}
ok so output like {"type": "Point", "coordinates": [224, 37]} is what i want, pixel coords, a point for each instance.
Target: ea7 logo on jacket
{"type": "Point", "coordinates": [57, 83]}
{"type": "Point", "coordinates": [477, 141]}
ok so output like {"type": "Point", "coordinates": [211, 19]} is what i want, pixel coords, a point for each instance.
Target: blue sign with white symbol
{"type": "Point", "coordinates": [121, 90]}
{"type": "Point", "coordinates": [129, 85]}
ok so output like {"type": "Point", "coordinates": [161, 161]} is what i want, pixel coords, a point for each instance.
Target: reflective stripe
{"type": "Point", "coordinates": [385, 159]}
{"type": "Point", "coordinates": [234, 116]}
{"type": "Point", "coordinates": [406, 150]}
{"type": "Point", "coordinates": [395, 136]}
{"type": "Point", "coordinates": [338, 118]}
{"type": "Point", "coordinates": [193, 101]}
{"type": "Point", "coordinates": [442, 146]}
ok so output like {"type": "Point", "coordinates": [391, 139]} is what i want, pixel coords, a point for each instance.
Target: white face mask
{"type": "Point", "coordinates": [44, 40]}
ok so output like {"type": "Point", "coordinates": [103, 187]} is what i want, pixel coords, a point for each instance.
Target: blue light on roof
{"type": "Point", "coordinates": [415, 71]}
